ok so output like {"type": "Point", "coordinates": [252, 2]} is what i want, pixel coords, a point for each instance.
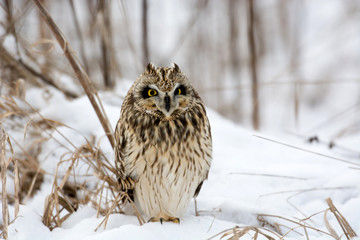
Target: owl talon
{"type": "Point", "coordinates": [161, 220]}
{"type": "Point", "coordinates": [153, 220]}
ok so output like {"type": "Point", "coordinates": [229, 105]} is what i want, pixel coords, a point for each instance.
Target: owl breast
{"type": "Point", "coordinates": [168, 160]}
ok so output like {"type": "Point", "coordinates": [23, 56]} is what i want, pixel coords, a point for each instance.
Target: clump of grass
{"type": "Point", "coordinates": [64, 199]}
{"type": "Point", "coordinates": [272, 230]}
{"type": "Point", "coordinates": [105, 196]}
{"type": "Point", "coordinates": [15, 116]}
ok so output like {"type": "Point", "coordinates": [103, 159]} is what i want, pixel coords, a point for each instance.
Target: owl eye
{"type": "Point", "coordinates": [151, 92]}
{"type": "Point", "coordinates": [180, 90]}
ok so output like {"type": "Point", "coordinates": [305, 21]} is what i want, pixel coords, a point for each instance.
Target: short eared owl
{"type": "Point", "coordinates": [163, 143]}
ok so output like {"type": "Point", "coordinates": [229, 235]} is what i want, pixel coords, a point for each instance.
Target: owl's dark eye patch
{"type": "Point", "coordinates": [181, 90]}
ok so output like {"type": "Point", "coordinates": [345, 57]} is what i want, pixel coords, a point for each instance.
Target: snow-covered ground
{"type": "Point", "coordinates": [250, 175]}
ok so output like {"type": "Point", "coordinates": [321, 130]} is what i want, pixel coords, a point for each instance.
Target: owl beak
{"type": "Point", "coordinates": [167, 103]}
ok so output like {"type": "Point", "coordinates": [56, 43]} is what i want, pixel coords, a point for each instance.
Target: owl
{"type": "Point", "coordinates": [163, 146]}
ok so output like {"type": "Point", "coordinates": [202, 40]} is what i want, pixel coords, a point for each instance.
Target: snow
{"type": "Point", "coordinates": [249, 175]}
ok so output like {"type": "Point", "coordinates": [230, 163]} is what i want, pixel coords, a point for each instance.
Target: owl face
{"type": "Point", "coordinates": [163, 92]}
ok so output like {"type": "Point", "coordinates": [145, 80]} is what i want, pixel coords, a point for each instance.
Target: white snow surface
{"type": "Point", "coordinates": [249, 176]}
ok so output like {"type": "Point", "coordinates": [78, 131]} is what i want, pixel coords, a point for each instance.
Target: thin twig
{"type": "Point", "coordinates": [306, 190]}
{"type": "Point", "coordinates": [212, 222]}
{"type": "Point", "coordinates": [309, 151]}
{"type": "Point", "coordinates": [268, 175]}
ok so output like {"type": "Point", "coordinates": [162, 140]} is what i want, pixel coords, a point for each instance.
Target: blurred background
{"type": "Point", "coordinates": [270, 65]}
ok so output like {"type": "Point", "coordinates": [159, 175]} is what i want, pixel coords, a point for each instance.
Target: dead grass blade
{"type": "Point", "coordinates": [4, 165]}
{"type": "Point", "coordinates": [80, 73]}
{"type": "Point", "coordinates": [32, 185]}
{"type": "Point", "coordinates": [329, 227]}
{"type": "Point", "coordinates": [104, 221]}
{"type": "Point", "coordinates": [268, 175]}
{"type": "Point", "coordinates": [345, 226]}
{"type": "Point", "coordinates": [16, 178]}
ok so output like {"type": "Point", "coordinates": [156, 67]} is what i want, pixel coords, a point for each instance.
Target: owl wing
{"type": "Point", "coordinates": [208, 140]}
{"type": "Point", "coordinates": [126, 183]}
{"type": "Point", "coordinates": [120, 140]}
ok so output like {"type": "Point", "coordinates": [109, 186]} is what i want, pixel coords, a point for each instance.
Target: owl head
{"type": "Point", "coordinates": [163, 92]}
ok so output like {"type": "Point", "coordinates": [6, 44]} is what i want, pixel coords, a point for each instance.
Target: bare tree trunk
{"type": "Point", "coordinates": [296, 13]}
{"type": "Point", "coordinates": [234, 53]}
{"type": "Point", "coordinates": [234, 36]}
{"type": "Point", "coordinates": [80, 36]}
{"type": "Point", "coordinates": [145, 32]}
{"type": "Point", "coordinates": [253, 66]}
{"type": "Point", "coordinates": [106, 42]}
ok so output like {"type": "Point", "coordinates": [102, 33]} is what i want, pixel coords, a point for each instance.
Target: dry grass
{"type": "Point", "coordinates": [64, 198]}
{"type": "Point", "coordinates": [238, 232]}
{"type": "Point", "coordinates": [4, 168]}
{"type": "Point", "coordinates": [27, 170]}
{"type": "Point", "coordinates": [106, 196]}
{"type": "Point", "coordinates": [274, 230]}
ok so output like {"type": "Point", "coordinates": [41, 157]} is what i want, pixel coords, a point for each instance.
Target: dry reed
{"type": "Point", "coordinates": [4, 164]}
{"type": "Point", "coordinates": [4, 169]}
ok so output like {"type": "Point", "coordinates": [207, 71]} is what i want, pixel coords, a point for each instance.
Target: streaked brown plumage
{"type": "Point", "coordinates": [163, 143]}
